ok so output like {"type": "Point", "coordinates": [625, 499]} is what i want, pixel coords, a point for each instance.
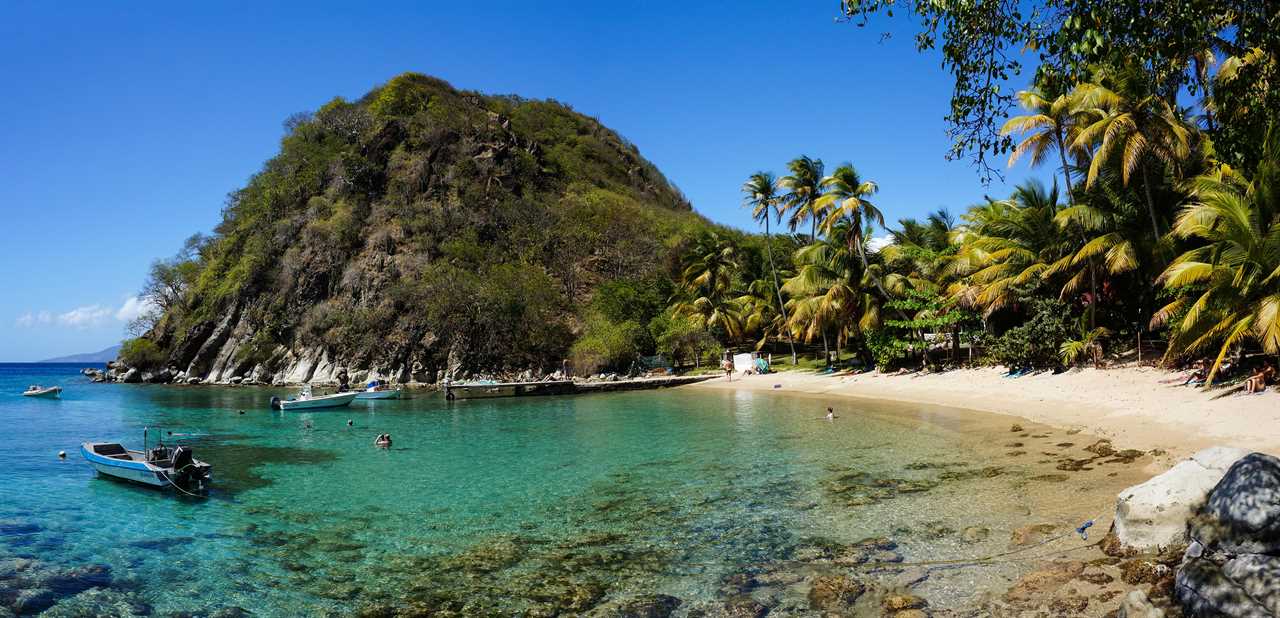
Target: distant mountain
{"type": "Point", "coordinates": [100, 356]}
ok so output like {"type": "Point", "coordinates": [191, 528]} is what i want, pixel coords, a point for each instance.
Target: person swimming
{"type": "Point", "coordinates": [382, 441]}
{"type": "Point", "coordinates": [831, 414]}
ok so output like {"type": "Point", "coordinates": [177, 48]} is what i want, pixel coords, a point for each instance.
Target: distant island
{"type": "Point", "coordinates": [101, 356]}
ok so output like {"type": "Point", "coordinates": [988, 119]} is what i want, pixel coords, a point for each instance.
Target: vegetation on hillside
{"type": "Point", "coordinates": [430, 226]}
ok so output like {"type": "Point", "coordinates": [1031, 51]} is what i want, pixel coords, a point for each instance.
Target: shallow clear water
{"type": "Point", "coordinates": [491, 507]}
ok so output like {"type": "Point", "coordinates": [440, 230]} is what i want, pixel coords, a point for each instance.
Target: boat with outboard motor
{"type": "Point", "coordinates": [160, 466]}
{"type": "Point", "coordinates": [44, 392]}
{"type": "Point", "coordinates": [377, 389]}
{"type": "Point", "coordinates": [308, 401]}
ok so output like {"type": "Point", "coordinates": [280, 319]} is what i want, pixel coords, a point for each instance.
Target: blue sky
{"type": "Point", "coordinates": [126, 124]}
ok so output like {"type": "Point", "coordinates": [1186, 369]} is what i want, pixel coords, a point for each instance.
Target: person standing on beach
{"type": "Point", "coordinates": [727, 365]}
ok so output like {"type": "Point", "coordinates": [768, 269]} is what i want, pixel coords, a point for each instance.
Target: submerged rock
{"type": "Point", "coordinates": [1044, 580]}
{"type": "Point", "coordinates": [1027, 535]}
{"type": "Point", "coordinates": [1154, 514]}
{"type": "Point", "coordinates": [643, 606]}
{"type": "Point", "coordinates": [835, 593]}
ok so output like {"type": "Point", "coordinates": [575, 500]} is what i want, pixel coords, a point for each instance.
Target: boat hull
{"type": "Point", "coordinates": [48, 393]}
{"type": "Point", "coordinates": [132, 471]}
{"type": "Point", "coordinates": [387, 394]}
{"type": "Point", "coordinates": [315, 403]}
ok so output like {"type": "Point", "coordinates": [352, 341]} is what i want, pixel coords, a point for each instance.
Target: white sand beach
{"type": "Point", "coordinates": [1129, 404]}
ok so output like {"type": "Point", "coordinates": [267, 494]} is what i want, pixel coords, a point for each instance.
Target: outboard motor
{"type": "Point", "coordinates": [186, 471]}
{"type": "Point", "coordinates": [275, 403]}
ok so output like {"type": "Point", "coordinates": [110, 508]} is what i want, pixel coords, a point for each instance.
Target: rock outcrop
{"type": "Point", "coordinates": [1232, 566]}
{"type": "Point", "coordinates": [1154, 515]}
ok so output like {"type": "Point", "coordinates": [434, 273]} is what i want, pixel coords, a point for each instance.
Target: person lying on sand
{"type": "Point", "coordinates": [1257, 382]}
{"type": "Point", "coordinates": [1198, 374]}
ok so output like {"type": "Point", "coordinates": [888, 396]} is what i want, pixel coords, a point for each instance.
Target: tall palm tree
{"type": "Point", "coordinates": [830, 288]}
{"type": "Point", "coordinates": [1139, 129]}
{"type": "Point", "coordinates": [1238, 269]}
{"type": "Point", "coordinates": [845, 201]}
{"type": "Point", "coordinates": [761, 195]}
{"type": "Point", "coordinates": [804, 187]}
{"type": "Point", "coordinates": [1051, 124]}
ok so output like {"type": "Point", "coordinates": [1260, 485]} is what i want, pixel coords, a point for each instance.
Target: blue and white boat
{"type": "Point", "coordinates": [377, 389]}
{"type": "Point", "coordinates": [160, 466]}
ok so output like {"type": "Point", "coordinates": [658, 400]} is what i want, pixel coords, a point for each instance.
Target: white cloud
{"type": "Point", "coordinates": [133, 307]}
{"type": "Point", "coordinates": [87, 316]}
{"type": "Point", "coordinates": [876, 243]}
{"type": "Point", "coordinates": [29, 319]}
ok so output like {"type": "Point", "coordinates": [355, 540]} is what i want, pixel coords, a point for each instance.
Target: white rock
{"type": "Point", "coordinates": [1136, 605]}
{"type": "Point", "coordinates": [1154, 515]}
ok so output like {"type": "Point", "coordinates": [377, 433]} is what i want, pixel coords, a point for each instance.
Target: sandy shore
{"type": "Point", "coordinates": [1130, 405]}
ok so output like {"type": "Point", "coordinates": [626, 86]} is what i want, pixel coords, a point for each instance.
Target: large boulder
{"type": "Point", "coordinates": [1154, 515]}
{"type": "Point", "coordinates": [1232, 566]}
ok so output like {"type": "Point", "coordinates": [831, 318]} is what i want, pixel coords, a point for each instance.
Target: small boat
{"type": "Point", "coordinates": [307, 401]}
{"type": "Point", "coordinates": [158, 467]}
{"type": "Point", "coordinates": [49, 392]}
{"type": "Point", "coordinates": [485, 390]}
{"type": "Point", "coordinates": [378, 389]}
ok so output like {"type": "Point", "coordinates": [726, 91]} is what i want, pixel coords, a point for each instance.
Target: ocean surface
{"type": "Point", "coordinates": [531, 506]}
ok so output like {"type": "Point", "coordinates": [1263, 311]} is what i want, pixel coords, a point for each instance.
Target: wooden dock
{"type": "Point", "coordinates": [563, 387]}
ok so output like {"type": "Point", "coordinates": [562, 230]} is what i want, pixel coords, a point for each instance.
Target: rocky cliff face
{"type": "Point", "coordinates": [417, 232]}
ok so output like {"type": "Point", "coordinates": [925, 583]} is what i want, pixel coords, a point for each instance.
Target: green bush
{"type": "Point", "coordinates": [606, 345]}
{"type": "Point", "coordinates": [141, 353]}
{"type": "Point", "coordinates": [1037, 341]}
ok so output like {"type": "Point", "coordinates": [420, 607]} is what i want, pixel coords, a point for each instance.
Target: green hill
{"type": "Point", "coordinates": [420, 228]}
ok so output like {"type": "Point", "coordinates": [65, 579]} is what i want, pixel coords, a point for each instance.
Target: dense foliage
{"type": "Point", "coordinates": [430, 226]}
{"type": "Point", "coordinates": [1160, 224]}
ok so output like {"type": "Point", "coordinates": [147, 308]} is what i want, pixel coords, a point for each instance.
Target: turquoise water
{"type": "Point", "coordinates": [506, 506]}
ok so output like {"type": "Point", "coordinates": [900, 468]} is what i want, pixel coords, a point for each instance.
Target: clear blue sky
{"type": "Point", "coordinates": [126, 124]}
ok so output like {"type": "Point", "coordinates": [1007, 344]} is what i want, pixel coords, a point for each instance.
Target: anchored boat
{"type": "Point", "coordinates": [158, 467]}
{"type": "Point", "coordinates": [378, 389]}
{"type": "Point", "coordinates": [50, 392]}
{"type": "Point", "coordinates": [307, 401]}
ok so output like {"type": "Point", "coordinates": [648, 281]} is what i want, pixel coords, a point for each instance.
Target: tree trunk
{"type": "Point", "coordinates": [1093, 295]}
{"type": "Point", "coordinates": [1066, 171]}
{"type": "Point", "coordinates": [826, 351]}
{"type": "Point", "coordinates": [1151, 203]}
{"type": "Point", "coordinates": [782, 306]}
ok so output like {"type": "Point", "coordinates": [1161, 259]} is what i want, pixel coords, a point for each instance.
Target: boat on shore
{"type": "Point", "coordinates": [308, 401]}
{"type": "Point", "coordinates": [161, 466]}
{"type": "Point", "coordinates": [484, 390]}
{"type": "Point", "coordinates": [378, 389]}
{"type": "Point", "coordinates": [43, 392]}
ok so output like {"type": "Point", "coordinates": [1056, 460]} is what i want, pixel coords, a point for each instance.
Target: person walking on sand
{"type": "Point", "coordinates": [727, 365]}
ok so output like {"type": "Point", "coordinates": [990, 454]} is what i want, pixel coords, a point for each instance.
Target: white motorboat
{"type": "Point", "coordinates": [158, 467]}
{"type": "Point", "coordinates": [378, 389]}
{"type": "Point", "coordinates": [308, 401]}
{"type": "Point", "coordinates": [45, 392]}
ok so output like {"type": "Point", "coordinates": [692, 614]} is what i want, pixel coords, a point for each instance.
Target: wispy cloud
{"type": "Point", "coordinates": [87, 316]}
{"type": "Point", "coordinates": [876, 243]}
{"type": "Point", "coordinates": [133, 307]}
{"type": "Point", "coordinates": [30, 319]}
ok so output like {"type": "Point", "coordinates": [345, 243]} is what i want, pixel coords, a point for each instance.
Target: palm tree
{"type": "Point", "coordinates": [1141, 129]}
{"type": "Point", "coordinates": [1051, 124]}
{"type": "Point", "coordinates": [830, 289]}
{"type": "Point", "coordinates": [706, 282]}
{"type": "Point", "coordinates": [761, 195]}
{"type": "Point", "coordinates": [1238, 269]}
{"type": "Point", "coordinates": [1007, 244]}
{"type": "Point", "coordinates": [804, 187]}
